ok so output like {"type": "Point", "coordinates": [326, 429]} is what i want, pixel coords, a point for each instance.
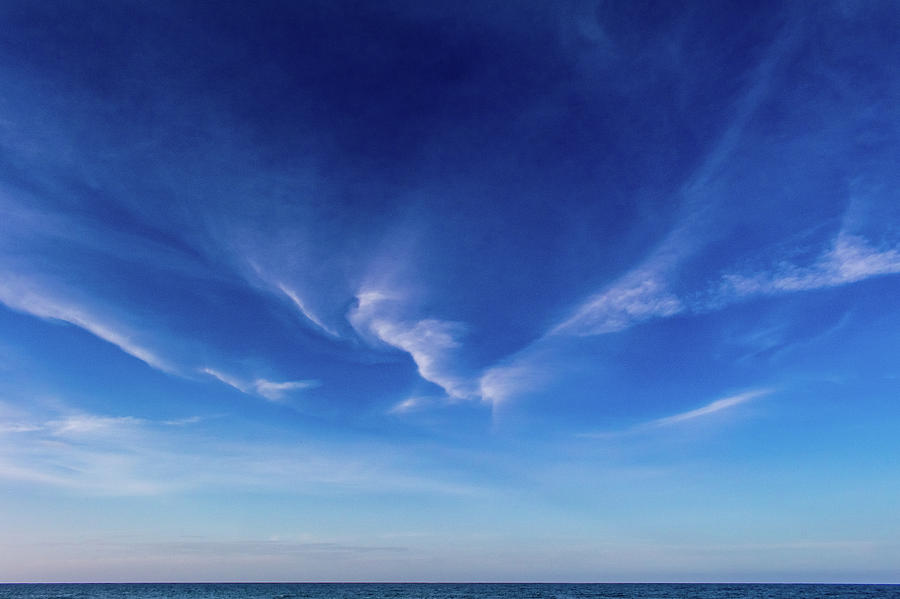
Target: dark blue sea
{"type": "Point", "coordinates": [444, 591]}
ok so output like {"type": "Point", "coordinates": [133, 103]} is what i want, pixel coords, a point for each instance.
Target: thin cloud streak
{"type": "Point", "coordinates": [709, 409]}
{"type": "Point", "coordinates": [639, 297]}
{"type": "Point", "coordinates": [642, 293]}
{"type": "Point", "coordinates": [714, 407]}
{"type": "Point", "coordinates": [526, 373]}
{"type": "Point", "coordinates": [292, 295]}
{"type": "Point", "coordinates": [849, 260]}
{"type": "Point", "coordinates": [23, 297]}
{"type": "Point", "coordinates": [410, 404]}
{"type": "Point", "coordinates": [272, 390]}
{"type": "Point", "coordinates": [275, 391]}
{"type": "Point", "coordinates": [95, 454]}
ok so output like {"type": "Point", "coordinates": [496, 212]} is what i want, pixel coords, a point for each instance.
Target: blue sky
{"type": "Point", "coordinates": [584, 291]}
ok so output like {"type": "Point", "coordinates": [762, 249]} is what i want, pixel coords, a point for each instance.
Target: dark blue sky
{"type": "Point", "coordinates": [572, 290]}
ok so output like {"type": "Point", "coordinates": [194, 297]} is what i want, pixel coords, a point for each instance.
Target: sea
{"type": "Point", "coordinates": [444, 591]}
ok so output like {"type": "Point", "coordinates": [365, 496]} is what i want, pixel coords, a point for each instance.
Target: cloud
{"type": "Point", "coordinates": [84, 425]}
{"type": "Point", "coordinates": [710, 408]}
{"type": "Point", "coordinates": [410, 404]}
{"type": "Point", "coordinates": [244, 548]}
{"type": "Point", "coordinates": [275, 391]}
{"type": "Point", "coordinates": [227, 379]}
{"type": "Point", "coordinates": [521, 375]}
{"type": "Point", "coordinates": [24, 296]}
{"type": "Point", "coordinates": [430, 342]}
{"type": "Point", "coordinates": [186, 421]}
{"type": "Point", "coordinates": [98, 454]}
{"type": "Point", "coordinates": [292, 295]}
{"type": "Point", "coordinates": [638, 297]}
{"type": "Point", "coordinates": [850, 259]}
{"type": "Point", "coordinates": [85, 453]}
{"type": "Point", "coordinates": [642, 293]}
{"type": "Point", "coordinates": [271, 390]}
{"type": "Point", "coordinates": [18, 427]}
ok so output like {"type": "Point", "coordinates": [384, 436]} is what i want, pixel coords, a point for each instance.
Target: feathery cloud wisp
{"type": "Point", "coordinates": [430, 342]}
{"type": "Point", "coordinates": [521, 375]}
{"type": "Point", "coordinates": [23, 297]}
{"type": "Point", "coordinates": [295, 298]}
{"type": "Point", "coordinates": [275, 391]}
{"type": "Point", "coordinates": [409, 404]}
{"type": "Point", "coordinates": [640, 296]}
{"type": "Point", "coordinates": [271, 390]}
{"type": "Point", "coordinates": [850, 259]}
{"type": "Point", "coordinates": [710, 408]}
{"type": "Point", "coordinates": [97, 454]}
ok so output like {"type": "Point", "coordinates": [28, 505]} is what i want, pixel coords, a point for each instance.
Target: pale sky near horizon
{"type": "Point", "coordinates": [481, 291]}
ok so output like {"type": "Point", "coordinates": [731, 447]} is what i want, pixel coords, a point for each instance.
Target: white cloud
{"type": "Point", "coordinates": [639, 296]}
{"type": "Point", "coordinates": [642, 293]}
{"type": "Point", "coordinates": [267, 281]}
{"type": "Point", "coordinates": [227, 379]}
{"type": "Point", "coordinates": [83, 425]}
{"type": "Point", "coordinates": [96, 454]}
{"type": "Point", "coordinates": [430, 342]}
{"type": "Point", "coordinates": [275, 391]}
{"type": "Point", "coordinates": [18, 427]}
{"type": "Point", "coordinates": [271, 390]}
{"type": "Point", "coordinates": [23, 296]}
{"type": "Point", "coordinates": [710, 408]}
{"type": "Point", "coordinates": [850, 259]}
{"type": "Point", "coordinates": [295, 298]}
{"type": "Point", "coordinates": [186, 421]}
{"type": "Point", "coordinates": [500, 383]}
{"type": "Point", "coordinates": [409, 404]}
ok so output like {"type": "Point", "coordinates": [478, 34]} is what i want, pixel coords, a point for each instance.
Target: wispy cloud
{"type": "Point", "coordinates": [266, 280]}
{"type": "Point", "coordinates": [523, 374]}
{"type": "Point", "coordinates": [295, 298]}
{"type": "Point", "coordinates": [638, 297]}
{"type": "Point", "coordinates": [227, 379]}
{"type": "Point", "coordinates": [81, 425]}
{"type": "Point", "coordinates": [714, 407]}
{"type": "Point", "coordinates": [121, 455]}
{"type": "Point", "coordinates": [271, 390]}
{"type": "Point", "coordinates": [709, 409]}
{"type": "Point", "coordinates": [25, 296]}
{"type": "Point", "coordinates": [246, 548]}
{"type": "Point", "coordinates": [86, 453]}
{"type": "Point", "coordinates": [275, 391]}
{"type": "Point", "coordinates": [188, 420]}
{"type": "Point", "coordinates": [848, 260]}
{"type": "Point", "coordinates": [642, 293]}
{"type": "Point", "coordinates": [431, 343]}
{"type": "Point", "coordinates": [410, 404]}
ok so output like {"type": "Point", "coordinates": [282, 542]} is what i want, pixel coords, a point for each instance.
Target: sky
{"type": "Point", "coordinates": [430, 291]}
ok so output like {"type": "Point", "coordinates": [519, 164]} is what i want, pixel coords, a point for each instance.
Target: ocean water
{"type": "Point", "coordinates": [444, 591]}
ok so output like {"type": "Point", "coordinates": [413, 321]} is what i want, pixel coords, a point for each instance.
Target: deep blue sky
{"type": "Point", "coordinates": [343, 290]}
